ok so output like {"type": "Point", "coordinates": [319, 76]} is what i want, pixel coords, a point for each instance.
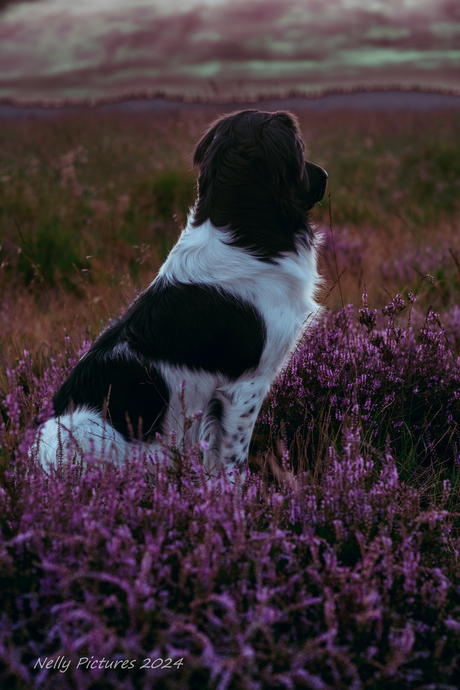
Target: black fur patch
{"type": "Point", "coordinates": [195, 326]}
{"type": "Point", "coordinates": [215, 409]}
{"type": "Point", "coordinates": [132, 392]}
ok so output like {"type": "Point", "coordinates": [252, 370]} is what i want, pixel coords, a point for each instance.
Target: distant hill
{"type": "Point", "coordinates": [361, 100]}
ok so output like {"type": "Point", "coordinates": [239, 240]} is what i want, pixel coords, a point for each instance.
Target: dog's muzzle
{"type": "Point", "coordinates": [317, 183]}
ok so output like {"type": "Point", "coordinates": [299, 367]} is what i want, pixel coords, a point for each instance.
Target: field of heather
{"type": "Point", "coordinates": [336, 565]}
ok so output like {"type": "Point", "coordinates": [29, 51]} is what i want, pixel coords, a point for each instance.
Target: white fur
{"type": "Point", "coordinates": [82, 433]}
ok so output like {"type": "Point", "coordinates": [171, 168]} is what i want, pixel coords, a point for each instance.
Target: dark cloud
{"type": "Point", "coordinates": [240, 49]}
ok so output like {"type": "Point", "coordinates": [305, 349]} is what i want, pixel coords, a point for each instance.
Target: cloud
{"type": "Point", "coordinates": [226, 51]}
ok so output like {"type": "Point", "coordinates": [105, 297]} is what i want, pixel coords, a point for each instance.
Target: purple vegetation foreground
{"type": "Point", "coordinates": [351, 580]}
{"type": "Point", "coordinates": [345, 585]}
{"type": "Point", "coordinates": [407, 387]}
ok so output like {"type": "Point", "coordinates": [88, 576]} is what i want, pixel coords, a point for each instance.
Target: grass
{"type": "Point", "coordinates": [336, 566]}
{"type": "Point", "coordinates": [90, 206]}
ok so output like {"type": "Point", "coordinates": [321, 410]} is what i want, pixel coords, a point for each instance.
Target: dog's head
{"type": "Point", "coordinates": [255, 181]}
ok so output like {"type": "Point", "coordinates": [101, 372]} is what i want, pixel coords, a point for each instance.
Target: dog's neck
{"type": "Point", "coordinates": [253, 222]}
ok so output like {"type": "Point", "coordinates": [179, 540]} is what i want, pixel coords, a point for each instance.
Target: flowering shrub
{"type": "Point", "coordinates": [343, 584]}
{"type": "Point", "coordinates": [26, 391]}
{"type": "Point", "coordinates": [407, 388]}
{"type": "Point", "coordinates": [147, 576]}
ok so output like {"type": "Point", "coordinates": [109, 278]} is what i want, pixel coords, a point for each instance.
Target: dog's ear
{"type": "Point", "coordinates": [289, 120]}
{"type": "Point", "coordinates": [203, 145]}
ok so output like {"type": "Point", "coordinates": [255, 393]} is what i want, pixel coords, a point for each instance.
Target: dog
{"type": "Point", "coordinates": [222, 315]}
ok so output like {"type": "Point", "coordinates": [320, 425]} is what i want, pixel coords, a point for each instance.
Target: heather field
{"type": "Point", "coordinates": [336, 564]}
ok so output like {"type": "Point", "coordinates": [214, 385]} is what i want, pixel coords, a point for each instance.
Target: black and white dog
{"type": "Point", "coordinates": [223, 313]}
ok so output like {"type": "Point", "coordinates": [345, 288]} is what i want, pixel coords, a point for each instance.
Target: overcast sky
{"type": "Point", "coordinates": [56, 50]}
